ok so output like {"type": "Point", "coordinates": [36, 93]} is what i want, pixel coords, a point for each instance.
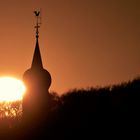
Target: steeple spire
{"type": "Point", "coordinates": [36, 101]}
{"type": "Point", "coordinates": [37, 61]}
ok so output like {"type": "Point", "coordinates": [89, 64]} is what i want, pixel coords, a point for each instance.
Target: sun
{"type": "Point", "coordinates": [11, 89]}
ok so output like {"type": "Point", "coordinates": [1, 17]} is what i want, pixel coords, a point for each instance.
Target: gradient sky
{"type": "Point", "coordinates": [83, 42]}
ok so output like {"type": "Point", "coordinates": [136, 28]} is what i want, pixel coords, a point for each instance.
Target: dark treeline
{"type": "Point", "coordinates": [117, 98]}
{"type": "Point", "coordinates": [83, 113]}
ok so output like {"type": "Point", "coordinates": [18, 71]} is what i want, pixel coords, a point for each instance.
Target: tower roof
{"type": "Point", "coordinates": [37, 61]}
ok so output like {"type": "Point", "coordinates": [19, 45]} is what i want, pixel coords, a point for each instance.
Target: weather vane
{"type": "Point", "coordinates": [38, 22]}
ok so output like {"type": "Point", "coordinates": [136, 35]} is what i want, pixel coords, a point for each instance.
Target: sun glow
{"type": "Point", "coordinates": [11, 89]}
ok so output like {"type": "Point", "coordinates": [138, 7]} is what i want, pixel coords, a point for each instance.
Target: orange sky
{"type": "Point", "coordinates": [83, 42]}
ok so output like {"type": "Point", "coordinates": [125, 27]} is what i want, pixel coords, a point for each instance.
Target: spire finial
{"type": "Point", "coordinates": [38, 22]}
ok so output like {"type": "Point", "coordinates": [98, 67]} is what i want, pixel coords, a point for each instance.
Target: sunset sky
{"type": "Point", "coordinates": [83, 42]}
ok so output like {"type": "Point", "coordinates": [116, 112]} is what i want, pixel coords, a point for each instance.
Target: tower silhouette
{"type": "Point", "coordinates": [37, 81]}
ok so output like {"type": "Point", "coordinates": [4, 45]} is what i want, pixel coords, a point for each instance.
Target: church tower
{"type": "Point", "coordinates": [37, 81]}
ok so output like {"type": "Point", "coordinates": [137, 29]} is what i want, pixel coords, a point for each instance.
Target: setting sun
{"type": "Point", "coordinates": [11, 89]}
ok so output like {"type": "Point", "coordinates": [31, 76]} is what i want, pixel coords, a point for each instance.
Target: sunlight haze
{"type": "Point", "coordinates": [11, 89]}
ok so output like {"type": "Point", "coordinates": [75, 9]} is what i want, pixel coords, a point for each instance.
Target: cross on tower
{"type": "Point", "coordinates": [38, 23]}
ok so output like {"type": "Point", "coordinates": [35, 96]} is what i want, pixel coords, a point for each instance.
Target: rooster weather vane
{"type": "Point", "coordinates": [38, 22]}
